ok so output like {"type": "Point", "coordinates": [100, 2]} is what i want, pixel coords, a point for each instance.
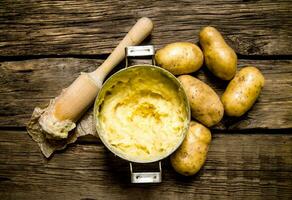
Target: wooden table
{"type": "Point", "coordinates": [45, 44]}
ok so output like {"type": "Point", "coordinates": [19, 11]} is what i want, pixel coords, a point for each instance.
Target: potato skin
{"type": "Point", "coordinates": [205, 104]}
{"type": "Point", "coordinates": [220, 58]}
{"type": "Point", "coordinates": [180, 58]}
{"type": "Point", "coordinates": [242, 91]}
{"type": "Point", "coordinates": [191, 155]}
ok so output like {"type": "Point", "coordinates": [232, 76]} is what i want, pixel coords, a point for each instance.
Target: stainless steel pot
{"type": "Point", "coordinates": [134, 51]}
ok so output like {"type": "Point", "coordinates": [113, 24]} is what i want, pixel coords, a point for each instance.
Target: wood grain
{"type": "Point", "coordinates": [30, 83]}
{"type": "Point", "coordinates": [26, 84]}
{"type": "Point", "coordinates": [251, 161]}
{"type": "Point", "coordinates": [80, 27]}
{"type": "Point", "coordinates": [251, 165]}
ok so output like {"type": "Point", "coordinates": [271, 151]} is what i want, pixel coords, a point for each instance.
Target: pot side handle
{"type": "Point", "coordinates": [146, 177]}
{"type": "Point", "coordinates": [139, 51]}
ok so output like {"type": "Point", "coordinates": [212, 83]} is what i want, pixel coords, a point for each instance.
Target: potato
{"type": "Point", "coordinates": [220, 59]}
{"type": "Point", "coordinates": [180, 58]}
{"type": "Point", "coordinates": [242, 91]}
{"type": "Point", "coordinates": [191, 155]}
{"type": "Point", "coordinates": [205, 104]}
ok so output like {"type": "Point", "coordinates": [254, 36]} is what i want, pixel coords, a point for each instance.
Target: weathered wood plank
{"type": "Point", "coordinates": [86, 27]}
{"type": "Point", "coordinates": [26, 84]}
{"type": "Point", "coordinates": [241, 166]}
{"type": "Point", "coordinates": [30, 83]}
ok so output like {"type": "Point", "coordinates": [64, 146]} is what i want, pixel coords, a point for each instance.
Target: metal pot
{"type": "Point", "coordinates": [133, 51]}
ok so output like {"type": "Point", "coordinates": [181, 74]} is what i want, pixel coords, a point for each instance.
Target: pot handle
{"type": "Point", "coordinates": [146, 177]}
{"type": "Point", "coordinates": [140, 51]}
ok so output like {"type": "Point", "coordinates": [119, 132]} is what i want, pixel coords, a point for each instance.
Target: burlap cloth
{"type": "Point", "coordinates": [47, 145]}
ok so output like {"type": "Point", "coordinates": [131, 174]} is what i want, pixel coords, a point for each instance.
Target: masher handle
{"type": "Point", "coordinates": [74, 101]}
{"type": "Point", "coordinates": [135, 36]}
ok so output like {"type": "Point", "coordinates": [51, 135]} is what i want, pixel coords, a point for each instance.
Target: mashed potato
{"type": "Point", "coordinates": [141, 115]}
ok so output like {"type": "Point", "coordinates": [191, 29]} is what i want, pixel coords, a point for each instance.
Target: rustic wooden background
{"type": "Point", "coordinates": [45, 44]}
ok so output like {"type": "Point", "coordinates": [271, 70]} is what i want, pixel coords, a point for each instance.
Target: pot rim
{"type": "Point", "coordinates": [186, 104]}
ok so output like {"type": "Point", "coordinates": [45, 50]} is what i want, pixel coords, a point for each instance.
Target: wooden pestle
{"type": "Point", "coordinates": [74, 100]}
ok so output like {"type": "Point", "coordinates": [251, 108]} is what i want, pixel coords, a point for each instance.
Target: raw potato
{"type": "Point", "coordinates": [180, 58]}
{"type": "Point", "coordinates": [242, 91]}
{"type": "Point", "coordinates": [220, 59]}
{"type": "Point", "coordinates": [191, 155]}
{"type": "Point", "coordinates": [205, 104]}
